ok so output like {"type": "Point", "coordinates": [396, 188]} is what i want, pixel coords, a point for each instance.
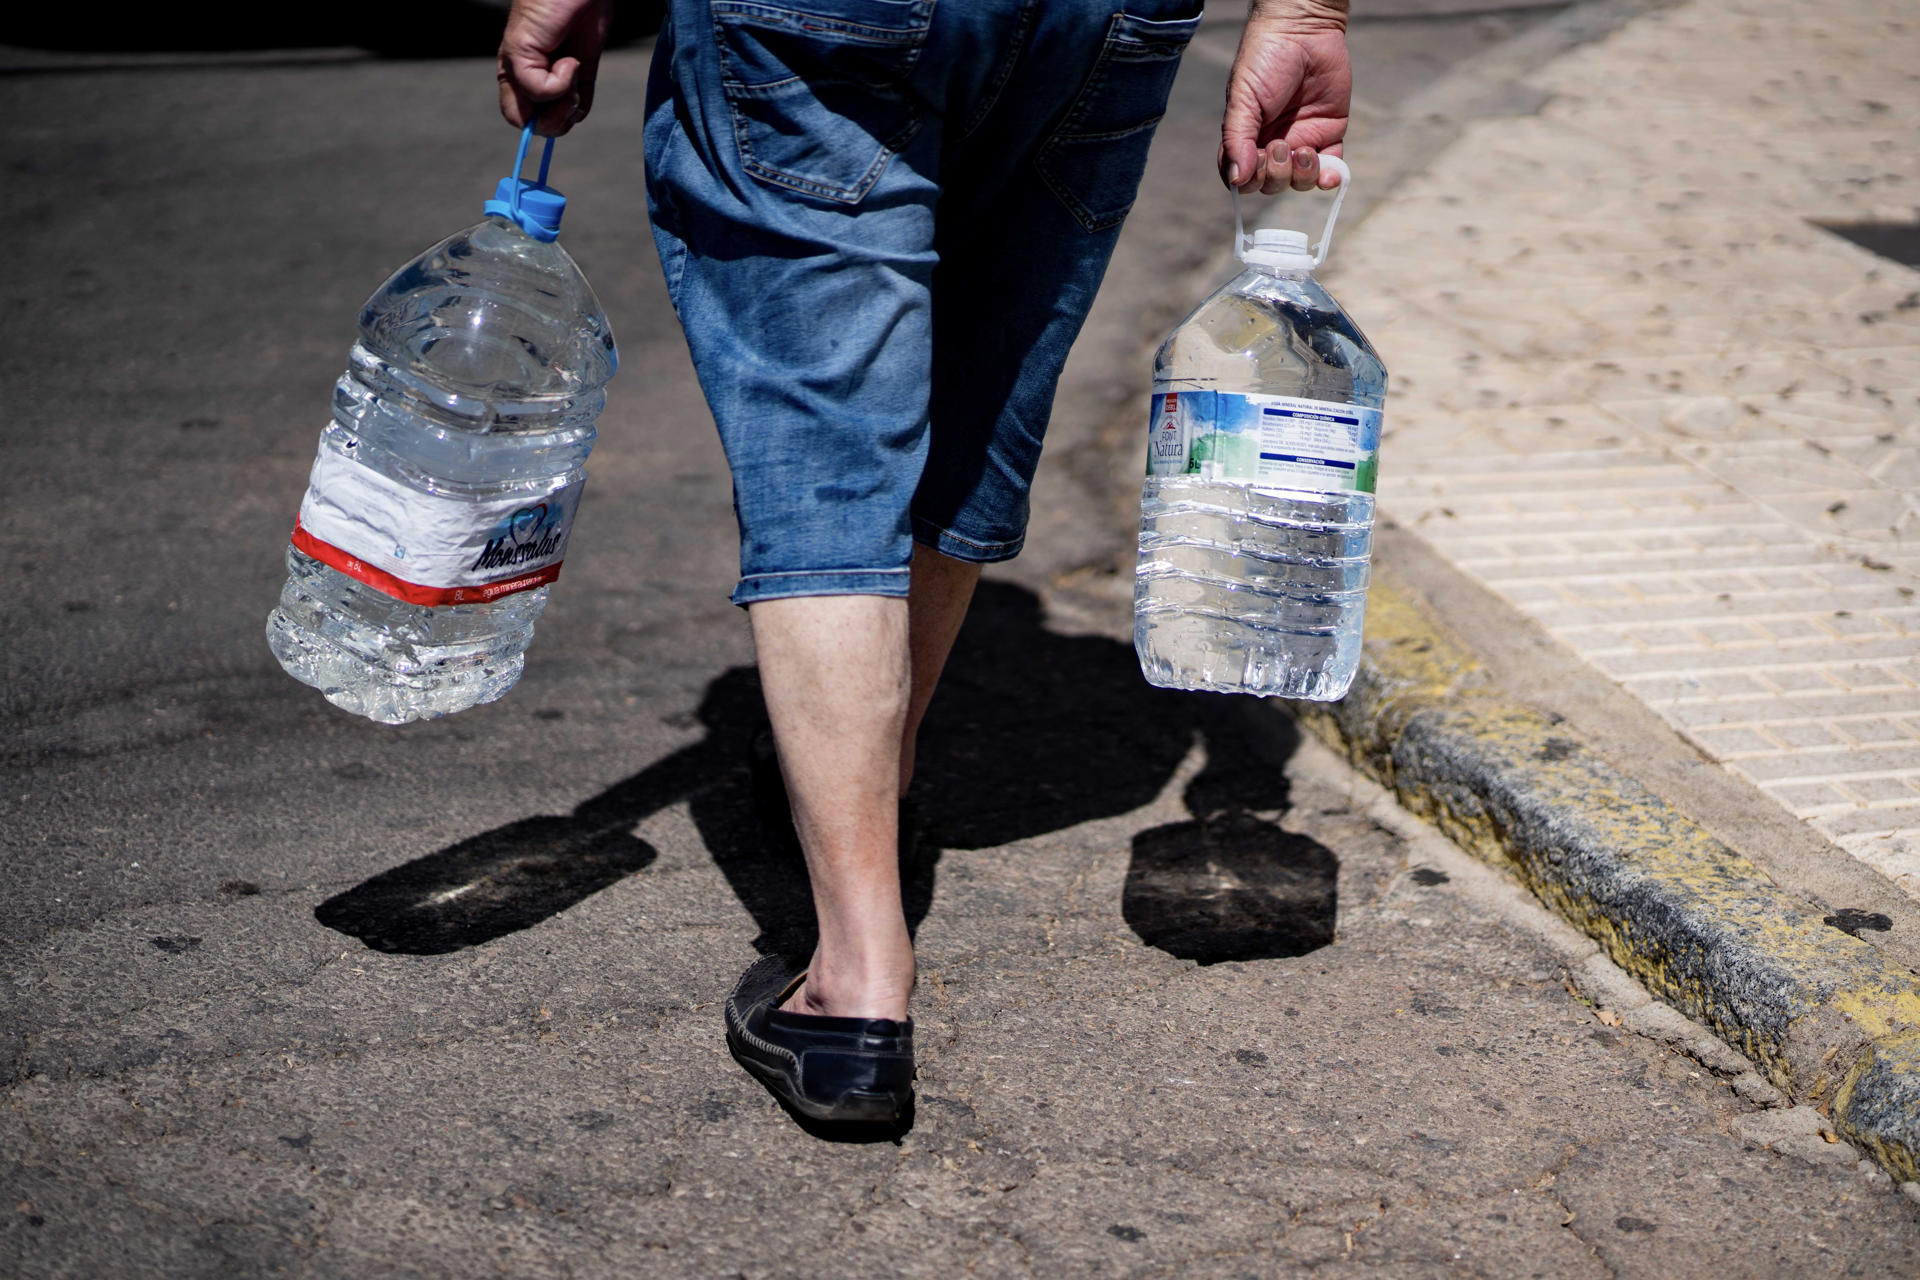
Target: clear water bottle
{"type": "Point", "coordinates": [445, 487]}
{"type": "Point", "coordinates": [1256, 522]}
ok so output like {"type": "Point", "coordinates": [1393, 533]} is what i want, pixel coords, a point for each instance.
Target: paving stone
{"type": "Point", "coordinates": [1741, 521]}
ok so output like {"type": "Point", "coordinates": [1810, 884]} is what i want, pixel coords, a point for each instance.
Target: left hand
{"type": "Point", "coordinates": [549, 57]}
{"type": "Point", "coordinates": [1288, 97]}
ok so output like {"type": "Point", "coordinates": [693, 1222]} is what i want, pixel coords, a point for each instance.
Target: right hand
{"type": "Point", "coordinates": [549, 56]}
{"type": "Point", "coordinates": [1288, 96]}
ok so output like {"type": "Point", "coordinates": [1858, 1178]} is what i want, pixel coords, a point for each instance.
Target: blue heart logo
{"type": "Point", "coordinates": [527, 522]}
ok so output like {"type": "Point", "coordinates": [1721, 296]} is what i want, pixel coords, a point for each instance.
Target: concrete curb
{"type": "Point", "coordinates": [1826, 1017]}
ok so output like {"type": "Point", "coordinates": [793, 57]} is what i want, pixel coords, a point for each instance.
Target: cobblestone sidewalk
{"type": "Point", "coordinates": [1642, 391]}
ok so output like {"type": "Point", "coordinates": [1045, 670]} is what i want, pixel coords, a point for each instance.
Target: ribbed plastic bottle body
{"type": "Point", "coordinates": [1260, 586]}
{"type": "Point", "coordinates": [474, 388]}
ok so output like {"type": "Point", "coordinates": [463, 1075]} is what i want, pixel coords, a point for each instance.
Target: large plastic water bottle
{"type": "Point", "coordinates": [1256, 522]}
{"type": "Point", "coordinates": [445, 487]}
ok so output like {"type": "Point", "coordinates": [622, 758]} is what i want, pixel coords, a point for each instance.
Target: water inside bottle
{"type": "Point", "coordinates": [1259, 585]}
{"type": "Point", "coordinates": [475, 385]}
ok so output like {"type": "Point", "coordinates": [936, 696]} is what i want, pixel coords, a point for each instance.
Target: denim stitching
{"type": "Point", "coordinates": [676, 273]}
{"type": "Point", "coordinates": [877, 37]}
{"type": "Point", "coordinates": [1111, 134]}
{"type": "Point", "coordinates": [1096, 79]}
{"type": "Point", "coordinates": [1019, 44]}
{"type": "Point", "coordinates": [941, 533]}
{"type": "Point", "coordinates": [813, 187]}
{"type": "Point", "coordinates": [816, 573]}
{"type": "Point", "coordinates": [1117, 40]}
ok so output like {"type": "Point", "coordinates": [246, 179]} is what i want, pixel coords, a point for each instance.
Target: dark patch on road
{"type": "Point", "coordinates": [1852, 920]}
{"type": "Point", "coordinates": [1032, 732]}
{"type": "Point", "coordinates": [711, 1110]}
{"type": "Point", "coordinates": [239, 888]}
{"type": "Point", "coordinates": [1636, 1224]}
{"type": "Point", "coordinates": [1427, 877]}
{"type": "Point", "coordinates": [1231, 888]}
{"type": "Point", "coordinates": [176, 944]}
{"type": "Point", "coordinates": [492, 884]}
{"type": "Point", "coordinates": [1132, 1235]}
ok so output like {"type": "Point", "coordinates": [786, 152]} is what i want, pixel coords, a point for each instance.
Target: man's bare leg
{"type": "Point", "coordinates": [834, 673]}
{"type": "Point", "coordinates": [847, 680]}
{"type": "Point", "coordinates": [942, 589]}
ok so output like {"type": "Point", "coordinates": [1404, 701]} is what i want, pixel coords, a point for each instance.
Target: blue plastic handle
{"type": "Point", "coordinates": [520, 158]}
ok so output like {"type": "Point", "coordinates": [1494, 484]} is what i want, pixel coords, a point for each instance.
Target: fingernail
{"type": "Point", "coordinates": [1233, 174]}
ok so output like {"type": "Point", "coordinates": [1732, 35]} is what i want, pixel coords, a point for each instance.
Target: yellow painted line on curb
{"type": "Point", "coordinates": [1826, 1016]}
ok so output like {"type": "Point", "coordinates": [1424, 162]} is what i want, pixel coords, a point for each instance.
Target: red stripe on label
{"type": "Point", "coordinates": [412, 592]}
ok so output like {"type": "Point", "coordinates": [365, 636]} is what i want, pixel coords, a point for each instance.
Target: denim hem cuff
{"type": "Point", "coordinates": [821, 582]}
{"type": "Point", "coordinates": [956, 547]}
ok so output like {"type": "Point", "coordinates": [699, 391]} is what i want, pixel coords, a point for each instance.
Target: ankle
{"type": "Point", "coordinates": [855, 990]}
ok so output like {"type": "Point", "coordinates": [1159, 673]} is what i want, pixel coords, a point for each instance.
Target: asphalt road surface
{"type": "Point", "coordinates": [285, 991]}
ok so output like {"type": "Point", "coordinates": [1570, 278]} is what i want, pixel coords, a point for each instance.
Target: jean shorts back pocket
{"type": "Point", "coordinates": [819, 95]}
{"type": "Point", "coordinates": [1094, 160]}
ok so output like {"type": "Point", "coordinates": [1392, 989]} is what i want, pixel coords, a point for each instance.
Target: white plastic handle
{"type": "Point", "coordinates": [1339, 169]}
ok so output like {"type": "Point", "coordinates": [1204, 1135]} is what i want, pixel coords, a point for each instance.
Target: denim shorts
{"type": "Point", "coordinates": [882, 223]}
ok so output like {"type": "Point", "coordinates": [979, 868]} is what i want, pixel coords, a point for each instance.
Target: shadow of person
{"type": "Point", "coordinates": [1031, 732]}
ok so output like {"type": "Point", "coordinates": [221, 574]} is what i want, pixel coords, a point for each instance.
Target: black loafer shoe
{"type": "Point", "coordinates": [834, 1069]}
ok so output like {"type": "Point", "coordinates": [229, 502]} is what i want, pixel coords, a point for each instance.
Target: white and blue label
{"type": "Point", "coordinates": [1282, 442]}
{"type": "Point", "coordinates": [438, 541]}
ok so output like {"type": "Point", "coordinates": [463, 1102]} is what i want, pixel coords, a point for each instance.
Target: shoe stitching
{"type": "Point", "coordinates": [738, 1022]}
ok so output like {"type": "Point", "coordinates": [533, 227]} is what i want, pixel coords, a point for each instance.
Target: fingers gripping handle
{"type": "Point", "coordinates": [1338, 167]}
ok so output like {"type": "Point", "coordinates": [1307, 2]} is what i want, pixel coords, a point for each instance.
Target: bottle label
{"type": "Point", "coordinates": [427, 548]}
{"type": "Point", "coordinates": [1281, 442]}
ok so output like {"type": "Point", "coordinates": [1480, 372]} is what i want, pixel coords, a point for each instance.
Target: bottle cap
{"type": "Point", "coordinates": [1284, 250]}
{"type": "Point", "coordinates": [1287, 250]}
{"type": "Point", "coordinates": [533, 206]}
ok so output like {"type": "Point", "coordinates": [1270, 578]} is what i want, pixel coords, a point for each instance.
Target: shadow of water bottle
{"type": "Point", "coordinates": [1034, 732]}
{"type": "Point", "coordinates": [1230, 887]}
{"type": "Point", "coordinates": [495, 883]}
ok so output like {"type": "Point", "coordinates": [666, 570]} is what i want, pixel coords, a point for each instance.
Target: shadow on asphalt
{"type": "Point", "coordinates": [1031, 732]}
{"type": "Point", "coordinates": [495, 883]}
{"type": "Point", "coordinates": [1234, 887]}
